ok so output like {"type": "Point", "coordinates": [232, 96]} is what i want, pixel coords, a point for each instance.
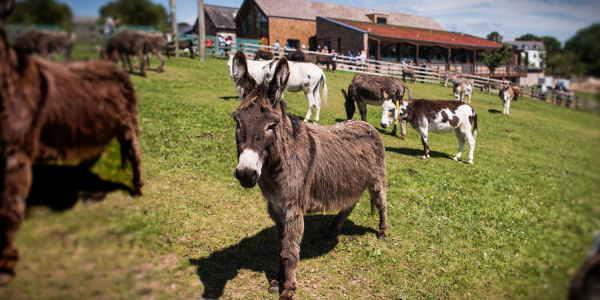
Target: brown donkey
{"type": "Point", "coordinates": [56, 112]}
{"type": "Point", "coordinates": [302, 168]}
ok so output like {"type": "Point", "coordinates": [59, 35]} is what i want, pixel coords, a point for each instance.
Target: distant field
{"type": "Point", "coordinates": [516, 224]}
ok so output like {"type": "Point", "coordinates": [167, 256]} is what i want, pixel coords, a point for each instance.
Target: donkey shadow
{"type": "Point", "coordinates": [259, 253]}
{"type": "Point", "coordinates": [417, 152]}
{"type": "Point", "coordinates": [494, 111]}
{"type": "Point", "coordinates": [227, 98]}
{"type": "Point", "coordinates": [60, 187]}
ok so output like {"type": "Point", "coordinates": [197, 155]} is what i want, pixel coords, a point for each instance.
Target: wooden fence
{"type": "Point", "coordinates": [431, 74]}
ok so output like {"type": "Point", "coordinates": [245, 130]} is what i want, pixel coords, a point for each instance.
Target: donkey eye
{"type": "Point", "coordinates": [271, 127]}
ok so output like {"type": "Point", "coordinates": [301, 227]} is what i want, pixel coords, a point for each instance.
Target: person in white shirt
{"type": "Point", "coordinates": [363, 57]}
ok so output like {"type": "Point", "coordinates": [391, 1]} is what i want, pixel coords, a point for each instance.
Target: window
{"type": "Point", "coordinates": [407, 51]}
{"type": "Point", "coordinates": [534, 56]}
{"type": "Point", "coordinates": [438, 54]}
{"type": "Point", "coordinates": [424, 53]}
{"type": "Point", "coordinates": [388, 52]}
{"type": "Point", "coordinates": [294, 44]}
{"type": "Point", "coordinates": [461, 56]}
{"type": "Point", "coordinates": [381, 20]}
{"type": "Point", "coordinates": [254, 24]}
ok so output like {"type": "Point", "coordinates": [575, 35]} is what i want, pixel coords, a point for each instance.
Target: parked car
{"type": "Point", "coordinates": [547, 81]}
{"type": "Point", "coordinates": [564, 83]}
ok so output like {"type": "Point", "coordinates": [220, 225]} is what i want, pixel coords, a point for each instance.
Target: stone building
{"type": "Point", "coordinates": [295, 21]}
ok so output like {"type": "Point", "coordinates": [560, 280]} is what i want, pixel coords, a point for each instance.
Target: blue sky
{"type": "Point", "coordinates": [511, 18]}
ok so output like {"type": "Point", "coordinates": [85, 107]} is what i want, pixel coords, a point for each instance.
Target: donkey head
{"type": "Point", "coordinates": [259, 118]}
{"type": "Point", "coordinates": [389, 109]}
{"type": "Point", "coordinates": [505, 92]}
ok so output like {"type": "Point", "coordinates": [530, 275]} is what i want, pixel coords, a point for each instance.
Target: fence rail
{"type": "Point", "coordinates": [432, 74]}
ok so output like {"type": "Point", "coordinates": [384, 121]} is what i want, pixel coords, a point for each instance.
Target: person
{"type": "Point", "coordinates": [325, 50]}
{"type": "Point", "coordinates": [403, 63]}
{"type": "Point", "coordinates": [544, 92]}
{"type": "Point", "coordinates": [303, 47]}
{"type": "Point", "coordinates": [363, 57]}
{"type": "Point", "coordinates": [334, 57]}
{"type": "Point", "coordinates": [318, 48]}
{"type": "Point", "coordinates": [209, 43]}
{"type": "Point", "coordinates": [276, 48]}
{"type": "Point", "coordinates": [559, 95]}
{"type": "Point", "coordinates": [221, 44]}
{"type": "Point", "coordinates": [228, 42]}
{"type": "Point", "coordinates": [109, 27]}
{"type": "Point", "coordinates": [424, 66]}
{"type": "Point", "coordinates": [287, 48]}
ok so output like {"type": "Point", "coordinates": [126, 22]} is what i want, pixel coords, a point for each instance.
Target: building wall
{"type": "Point", "coordinates": [283, 29]}
{"type": "Point", "coordinates": [343, 39]}
{"type": "Point", "coordinates": [530, 79]}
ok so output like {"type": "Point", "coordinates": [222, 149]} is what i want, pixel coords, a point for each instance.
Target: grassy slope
{"type": "Point", "coordinates": [517, 223]}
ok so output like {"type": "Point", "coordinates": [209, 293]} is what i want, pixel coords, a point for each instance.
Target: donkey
{"type": "Point", "coordinates": [585, 284]}
{"type": "Point", "coordinates": [266, 55]}
{"type": "Point", "coordinates": [368, 89]}
{"type": "Point", "coordinates": [410, 72]}
{"type": "Point", "coordinates": [452, 78]}
{"type": "Point", "coordinates": [327, 61]}
{"type": "Point", "coordinates": [128, 43]}
{"type": "Point", "coordinates": [304, 77]}
{"type": "Point", "coordinates": [297, 55]}
{"type": "Point", "coordinates": [45, 44]}
{"type": "Point", "coordinates": [506, 95]}
{"type": "Point", "coordinates": [516, 92]}
{"type": "Point", "coordinates": [302, 168]}
{"type": "Point", "coordinates": [491, 85]}
{"type": "Point", "coordinates": [157, 43]}
{"type": "Point", "coordinates": [437, 116]}
{"type": "Point", "coordinates": [465, 88]}
{"type": "Point", "coordinates": [56, 112]}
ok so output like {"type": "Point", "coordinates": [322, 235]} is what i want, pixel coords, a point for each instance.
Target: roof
{"type": "Point", "coordinates": [438, 37]}
{"type": "Point", "coordinates": [222, 17]}
{"type": "Point", "coordinates": [527, 45]}
{"type": "Point", "coordinates": [310, 10]}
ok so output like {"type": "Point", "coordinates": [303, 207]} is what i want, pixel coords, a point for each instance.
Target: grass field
{"type": "Point", "coordinates": [516, 224]}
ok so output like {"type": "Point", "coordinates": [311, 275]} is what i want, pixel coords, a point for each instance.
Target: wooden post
{"type": "Point", "coordinates": [174, 27]}
{"type": "Point", "coordinates": [201, 31]}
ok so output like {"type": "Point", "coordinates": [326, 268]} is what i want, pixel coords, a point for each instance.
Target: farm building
{"type": "Point", "coordinates": [217, 20]}
{"type": "Point", "coordinates": [295, 21]}
{"type": "Point", "coordinates": [441, 49]}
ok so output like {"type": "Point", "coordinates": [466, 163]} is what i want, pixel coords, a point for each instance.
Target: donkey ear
{"type": "Point", "coordinates": [244, 82]}
{"type": "Point", "coordinates": [345, 95]}
{"type": "Point", "coordinates": [279, 81]}
{"type": "Point", "coordinates": [6, 7]}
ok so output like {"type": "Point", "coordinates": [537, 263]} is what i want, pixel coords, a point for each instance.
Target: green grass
{"type": "Point", "coordinates": [516, 224]}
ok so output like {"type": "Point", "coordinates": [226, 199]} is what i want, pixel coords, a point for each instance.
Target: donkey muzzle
{"type": "Point", "coordinates": [247, 177]}
{"type": "Point", "coordinates": [248, 168]}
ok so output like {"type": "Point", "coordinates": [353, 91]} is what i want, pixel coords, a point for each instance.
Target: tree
{"type": "Point", "coordinates": [528, 37]}
{"type": "Point", "coordinates": [494, 36]}
{"type": "Point", "coordinates": [136, 12]}
{"type": "Point", "coordinates": [585, 45]}
{"type": "Point", "coordinates": [47, 12]}
{"type": "Point", "coordinates": [497, 58]}
{"type": "Point", "coordinates": [552, 46]}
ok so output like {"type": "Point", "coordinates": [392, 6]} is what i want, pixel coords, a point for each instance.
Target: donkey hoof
{"type": "Point", "coordinates": [470, 162]}
{"type": "Point", "coordinates": [381, 235]}
{"type": "Point", "coordinates": [455, 158]}
{"type": "Point", "coordinates": [274, 287]}
{"type": "Point", "coordinates": [287, 294]}
{"type": "Point", "coordinates": [305, 121]}
{"type": "Point", "coordinates": [424, 157]}
{"type": "Point", "coordinates": [135, 192]}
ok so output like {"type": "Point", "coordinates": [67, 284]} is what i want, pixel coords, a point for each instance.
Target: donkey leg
{"type": "Point", "coordinates": [461, 143]}
{"type": "Point", "coordinates": [130, 146]}
{"type": "Point", "coordinates": [471, 141]}
{"type": "Point", "coordinates": [162, 61]}
{"type": "Point", "coordinates": [280, 278]}
{"type": "Point", "coordinates": [16, 182]}
{"type": "Point", "coordinates": [311, 103]}
{"type": "Point", "coordinates": [362, 109]}
{"type": "Point", "coordinates": [425, 145]}
{"type": "Point", "coordinates": [317, 104]}
{"type": "Point", "coordinates": [336, 225]}
{"type": "Point", "coordinates": [144, 65]}
{"type": "Point", "coordinates": [379, 200]}
{"type": "Point", "coordinates": [292, 236]}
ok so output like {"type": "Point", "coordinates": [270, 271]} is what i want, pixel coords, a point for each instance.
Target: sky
{"type": "Point", "coordinates": [511, 18]}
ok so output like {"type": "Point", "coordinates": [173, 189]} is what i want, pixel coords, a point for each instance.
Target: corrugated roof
{"type": "Point", "coordinates": [419, 34]}
{"type": "Point", "coordinates": [310, 10]}
{"type": "Point", "coordinates": [222, 17]}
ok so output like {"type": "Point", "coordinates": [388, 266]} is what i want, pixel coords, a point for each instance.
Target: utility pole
{"type": "Point", "coordinates": [201, 31]}
{"type": "Point", "coordinates": [174, 27]}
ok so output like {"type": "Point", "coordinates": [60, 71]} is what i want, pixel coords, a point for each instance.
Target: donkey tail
{"type": "Point", "coordinates": [324, 98]}
{"type": "Point", "coordinates": [475, 126]}
{"type": "Point", "coordinates": [410, 97]}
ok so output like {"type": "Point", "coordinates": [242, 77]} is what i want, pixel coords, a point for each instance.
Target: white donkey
{"type": "Point", "coordinates": [436, 116]}
{"type": "Point", "coordinates": [254, 68]}
{"type": "Point", "coordinates": [506, 95]}
{"type": "Point", "coordinates": [463, 89]}
{"type": "Point", "coordinates": [304, 77]}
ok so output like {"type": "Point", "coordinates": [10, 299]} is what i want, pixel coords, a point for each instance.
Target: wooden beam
{"type": "Point", "coordinates": [201, 31]}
